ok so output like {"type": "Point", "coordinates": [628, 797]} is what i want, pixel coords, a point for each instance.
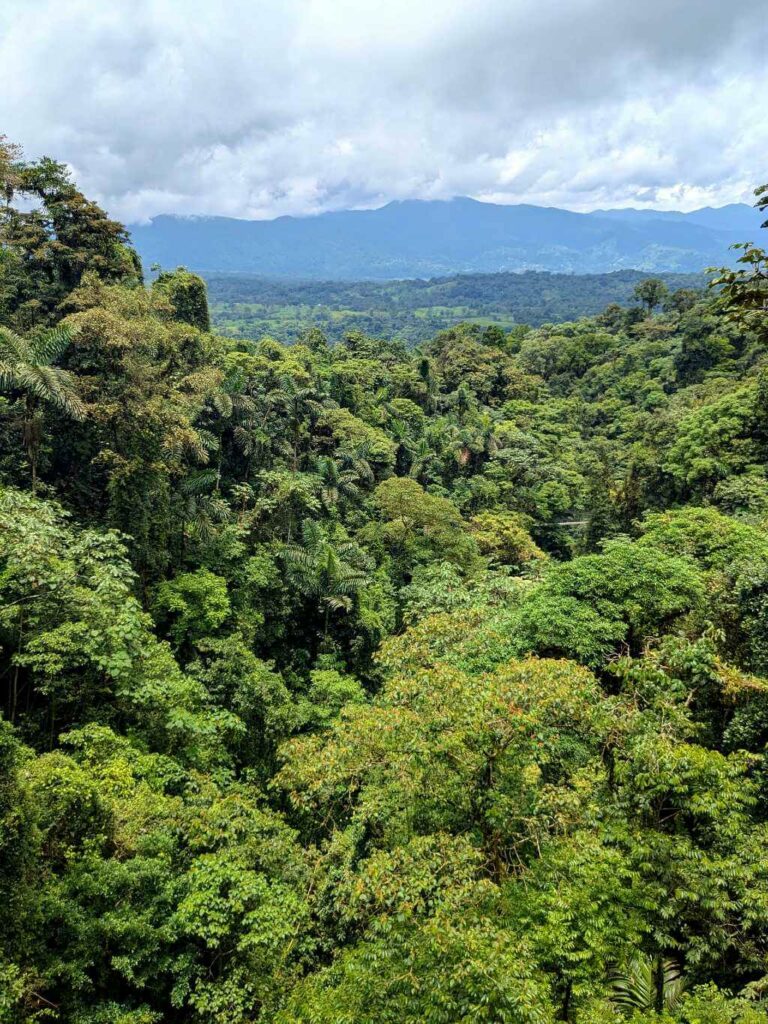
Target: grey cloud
{"type": "Point", "coordinates": [295, 106]}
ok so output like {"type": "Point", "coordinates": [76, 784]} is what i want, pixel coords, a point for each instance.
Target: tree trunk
{"type": "Point", "coordinates": [659, 985]}
{"type": "Point", "coordinates": [566, 1010]}
{"type": "Point", "coordinates": [15, 684]}
{"type": "Point", "coordinates": [31, 442]}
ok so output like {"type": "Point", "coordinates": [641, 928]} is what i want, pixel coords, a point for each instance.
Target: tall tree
{"type": "Point", "coordinates": [53, 236]}
{"type": "Point", "coordinates": [651, 292]}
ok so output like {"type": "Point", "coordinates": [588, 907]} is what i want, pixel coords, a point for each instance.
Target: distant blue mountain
{"type": "Point", "coordinates": [423, 239]}
{"type": "Point", "coordinates": [736, 217]}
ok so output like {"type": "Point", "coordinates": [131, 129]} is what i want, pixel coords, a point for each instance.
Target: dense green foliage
{"type": "Point", "coordinates": [351, 685]}
{"type": "Point", "coordinates": [245, 306]}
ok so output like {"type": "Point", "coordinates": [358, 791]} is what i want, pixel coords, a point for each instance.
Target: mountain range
{"type": "Point", "coordinates": [428, 238]}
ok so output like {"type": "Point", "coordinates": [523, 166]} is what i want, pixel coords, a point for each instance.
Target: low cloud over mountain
{"type": "Point", "coordinates": [301, 106]}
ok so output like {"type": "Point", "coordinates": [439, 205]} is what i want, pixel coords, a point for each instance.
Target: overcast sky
{"type": "Point", "coordinates": [254, 108]}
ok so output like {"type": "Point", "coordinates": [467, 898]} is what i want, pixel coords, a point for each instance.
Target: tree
{"type": "Point", "coordinates": [187, 294]}
{"type": "Point", "coordinates": [301, 406]}
{"type": "Point", "coordinates": [323, 568]}
{"type": "Point", "coordinates": [762, 200]}
{"type": "Point", "coordinates": [78, 647]}
{"type": "Point", "coordinates": [587, 608]}
{"type": "Point", "coordinates": [353, 435]}
{"type": "Point", "coordinates": [19, 853]}
{"type": "Point", "coordinates": [196, 604]}
{"type": "Point", "coordinates": [733, 556]}
{"type": "Point", "coordinates": [54, 237]}
{"type": "Point", "coordinates": [503, 536]}
{"type": "Point", "coordinates": [743, 290]}
{"type": "Point", "coordinates": [154, 418]}
{"type": "Point", "coordinates": [716, 440]}
{"type": "Point", "coordinates": [338, 482]}
{"type": "Point", "coordinates": [681, 300]}
{"type": "Point", "coordinates": [417, 526]}
{"type": "Point", "coordinates": [438, 753]}
{"type": "Point", "coordinates": [651, 292]}
{"type": "Point", "coordinates": [27, 366]}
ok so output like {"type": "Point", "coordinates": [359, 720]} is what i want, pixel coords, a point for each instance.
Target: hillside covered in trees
{"type": "Point", "coordinates": [413, 311]}
{"type": "Point", "coordinates": [428, 238]}
{"type": "Point", "coordinates": [354, 685]}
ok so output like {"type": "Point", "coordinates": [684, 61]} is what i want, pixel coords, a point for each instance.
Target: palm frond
{"type": "Point", "coordinates": [639, 986]}
{"type": "Point", "coordinates": [26, 365]}
{"type": "Point", "coordinates": [13, 347]}
{"type": "Point", "coordinates": [8, 376]}
{"type": "Point", "coordinates": [223, 404]}
{"type": "Point", "coordinates": [52, 385]}
{"type": "Point", "coordinates": [200, 482]}
{"type": "Point", "coordinates": [47, 346]}
{"type": "Point", "coordinates": [297, 557]}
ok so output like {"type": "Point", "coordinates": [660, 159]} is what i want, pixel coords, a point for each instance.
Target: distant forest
{"type": "Point", "coordinates": [248, 306]}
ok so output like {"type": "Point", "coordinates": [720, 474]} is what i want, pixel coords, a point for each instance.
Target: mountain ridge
{"type": "Point", "coordinates": [426, 238]}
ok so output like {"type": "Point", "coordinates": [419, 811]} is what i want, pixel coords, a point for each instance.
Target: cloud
{"type": "Point", "coordinates": [256, 108]}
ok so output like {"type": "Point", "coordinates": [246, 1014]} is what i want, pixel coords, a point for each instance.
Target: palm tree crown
{"type": "Point", "coordinates": [322, 569]}
{"type": "Point", "coordinates": [27, 368]}
{"type": "Point", "coordinates": [26, 365]}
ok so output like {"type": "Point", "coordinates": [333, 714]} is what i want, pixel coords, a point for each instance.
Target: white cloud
{"type": "Point", "coordinates": [257, 108]}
